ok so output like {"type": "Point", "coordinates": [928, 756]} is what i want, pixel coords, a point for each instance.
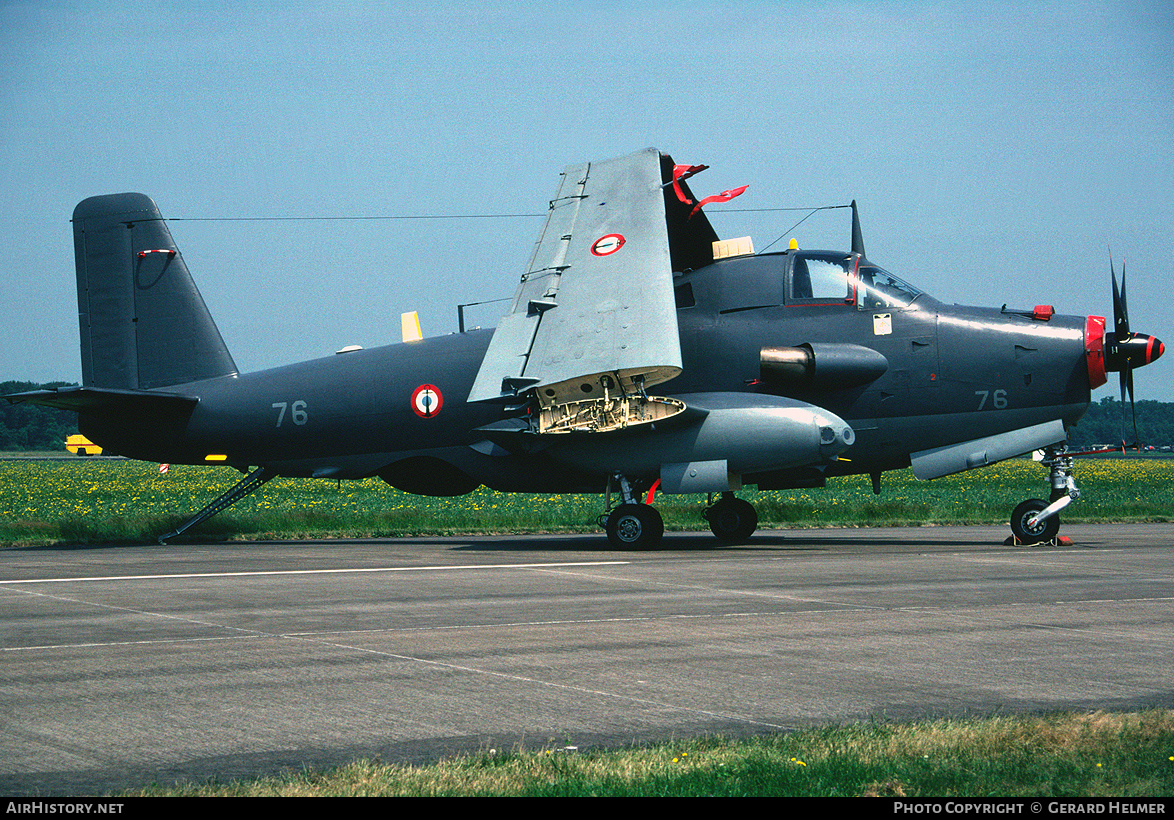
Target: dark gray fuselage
{"type": "Point", "coordinates": [953, 374]}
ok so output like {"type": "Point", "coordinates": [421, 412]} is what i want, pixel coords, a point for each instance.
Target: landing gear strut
{"type": "Point", "coordinates": [1036, 521]}
{"type": "Point", "coordinates": [246, 485]}
{"type": "Point", "coordinates": [632, 525]}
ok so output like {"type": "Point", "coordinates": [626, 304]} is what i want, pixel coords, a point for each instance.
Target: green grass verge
{"type": "Point", "coordinates": [1073, 755]}
{"type": "Point", "coordinates": [88, 501]}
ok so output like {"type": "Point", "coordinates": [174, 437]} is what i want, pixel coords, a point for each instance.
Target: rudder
{"type": "Point", "coordinates": [143, 322]}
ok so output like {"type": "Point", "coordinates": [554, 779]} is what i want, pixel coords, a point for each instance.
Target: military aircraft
{"type": "Point", "coordinates": [775, 370]}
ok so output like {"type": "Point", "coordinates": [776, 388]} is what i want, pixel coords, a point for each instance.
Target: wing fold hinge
{"type": "Point", "coordinates": [604, 415]}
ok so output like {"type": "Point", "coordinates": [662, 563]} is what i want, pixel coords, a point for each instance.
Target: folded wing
{"type": "Point", "coordinates": [594, 318]}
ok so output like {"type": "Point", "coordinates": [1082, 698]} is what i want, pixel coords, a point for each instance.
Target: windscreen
{"type": "Point", "coordinates": [881, 289]}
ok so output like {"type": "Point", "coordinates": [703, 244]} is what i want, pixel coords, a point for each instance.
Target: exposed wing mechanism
{"type": "Point", "coordinates": [593, 323]}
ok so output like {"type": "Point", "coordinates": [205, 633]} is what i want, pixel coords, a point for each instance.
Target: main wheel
{"type": "Point", "coordinates": [1042, 531]}
{"type": "Point", "coordinates": [732, 520]}
{"type": "Point", "coordinates": [634, 527]}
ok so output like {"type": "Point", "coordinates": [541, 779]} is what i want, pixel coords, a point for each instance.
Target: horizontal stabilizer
{"type": "Point", "coordinates": [102, 400]}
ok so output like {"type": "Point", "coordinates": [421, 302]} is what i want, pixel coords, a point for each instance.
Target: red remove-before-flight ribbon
{"type": "Point", "coordinates": [724, 196]}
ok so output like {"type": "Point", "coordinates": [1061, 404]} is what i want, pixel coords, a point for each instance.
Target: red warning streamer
{"type": "Point", "coordinates": [724, 196]}
{"type": "Point", "coordinates": [681, 172]}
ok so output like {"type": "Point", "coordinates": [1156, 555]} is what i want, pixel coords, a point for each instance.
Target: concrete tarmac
{"type": "Point", "coordinates": [127, 665]}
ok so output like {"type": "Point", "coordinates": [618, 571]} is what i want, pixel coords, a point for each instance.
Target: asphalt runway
{"type": "Point", "coordinates": [123, 666]}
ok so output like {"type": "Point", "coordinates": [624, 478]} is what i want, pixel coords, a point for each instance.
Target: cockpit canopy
{"type": "Point", "coordinates": [834, 276]}
{"type": "Point", "coordinates": [795, 277]}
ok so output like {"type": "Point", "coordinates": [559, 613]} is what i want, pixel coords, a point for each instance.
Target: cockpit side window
{"type": "Point", "coordinates": [820, 277]}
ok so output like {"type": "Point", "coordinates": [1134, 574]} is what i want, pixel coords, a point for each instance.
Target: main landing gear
{"type": "Point", "coordinates": [1036, 521]}
{"type": "Point", "coordinates": [731, 519]}
{"type": "Point", "coordinates": [636, 525]}
{"type": "Point", "coordinates": [632, 525]}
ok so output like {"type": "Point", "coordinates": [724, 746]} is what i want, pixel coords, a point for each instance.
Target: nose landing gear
{"type": "Point", "coordinates": [1036, 521]}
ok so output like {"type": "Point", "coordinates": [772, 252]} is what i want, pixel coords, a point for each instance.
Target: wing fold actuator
{"type": "Point", "coordinates": [593, 323]}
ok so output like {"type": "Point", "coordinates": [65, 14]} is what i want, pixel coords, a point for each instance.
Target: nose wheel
{"type": "Point", "coordinates": [1027, 532]}
{"type": "Point", "coordinates": [1036, 521]}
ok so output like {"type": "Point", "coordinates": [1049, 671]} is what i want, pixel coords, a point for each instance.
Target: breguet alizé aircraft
{"type": "Point", "coordinates": [640, 354]}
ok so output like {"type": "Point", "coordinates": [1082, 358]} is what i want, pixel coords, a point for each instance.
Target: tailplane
{"type": "Point", "coordinates": [143, 322]}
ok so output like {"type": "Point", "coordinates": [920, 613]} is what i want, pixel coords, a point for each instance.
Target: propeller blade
{"type": "Point", "coordinates": [1120, 310]}
{"type": "Point", "coordinates": [1127, 389]}
{"type": "Point", "coordinates": [1132, 406]}
{"type": "Point", "coordinates": [1124, 299]}
{"type": "Point", "coordinates": [1126, 350]}
{"type": "Point", "coordinates": [1123, 380]}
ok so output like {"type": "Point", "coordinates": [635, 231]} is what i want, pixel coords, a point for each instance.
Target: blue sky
{"type": "Point", "coordinates": [997, 150]}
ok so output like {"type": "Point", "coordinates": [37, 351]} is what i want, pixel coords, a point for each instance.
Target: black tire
{"type": "Point", "coordinates": [1041, 532]}
{"type": "Point", "coordinates": [732, 520]}
{"type": "Point", "coordinates": [634, 527]}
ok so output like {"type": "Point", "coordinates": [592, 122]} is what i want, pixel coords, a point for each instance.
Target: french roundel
{"type": "Point", "coordinates": [427, 401]}
{"type": "Point", "coordinates": [608, 244]}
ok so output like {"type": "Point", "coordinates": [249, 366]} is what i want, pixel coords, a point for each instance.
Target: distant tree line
{"type": "Point", "coordinates": [32, 427]}
{"type": "Point", "coordinates": [26, 427]}
{"type": "Point", "coordinates": [1102, 424]}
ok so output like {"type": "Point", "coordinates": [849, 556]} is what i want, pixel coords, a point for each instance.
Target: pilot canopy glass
{"type": "Point", "coordinates": [821, 276]}
{"type": "Point", "coordinates": [880, 289]}
{"type": "Point", "coordinates": [829, 276]}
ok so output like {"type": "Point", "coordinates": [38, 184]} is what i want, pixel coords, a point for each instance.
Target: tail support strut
{"type": "Point", "coordinates": [245, 486]}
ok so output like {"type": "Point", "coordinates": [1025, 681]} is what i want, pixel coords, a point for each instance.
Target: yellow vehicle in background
{"type": "Point", "coordinates": [82, 446]}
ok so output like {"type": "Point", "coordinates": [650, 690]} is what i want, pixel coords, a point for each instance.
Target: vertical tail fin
{"type": "Point", "coordinates": [143, 322]}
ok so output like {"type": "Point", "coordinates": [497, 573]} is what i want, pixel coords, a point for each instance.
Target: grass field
{"type": "Point", "coordinates": [1072, 755]}
{"type": "Point", "coordinates": [95, 501]}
